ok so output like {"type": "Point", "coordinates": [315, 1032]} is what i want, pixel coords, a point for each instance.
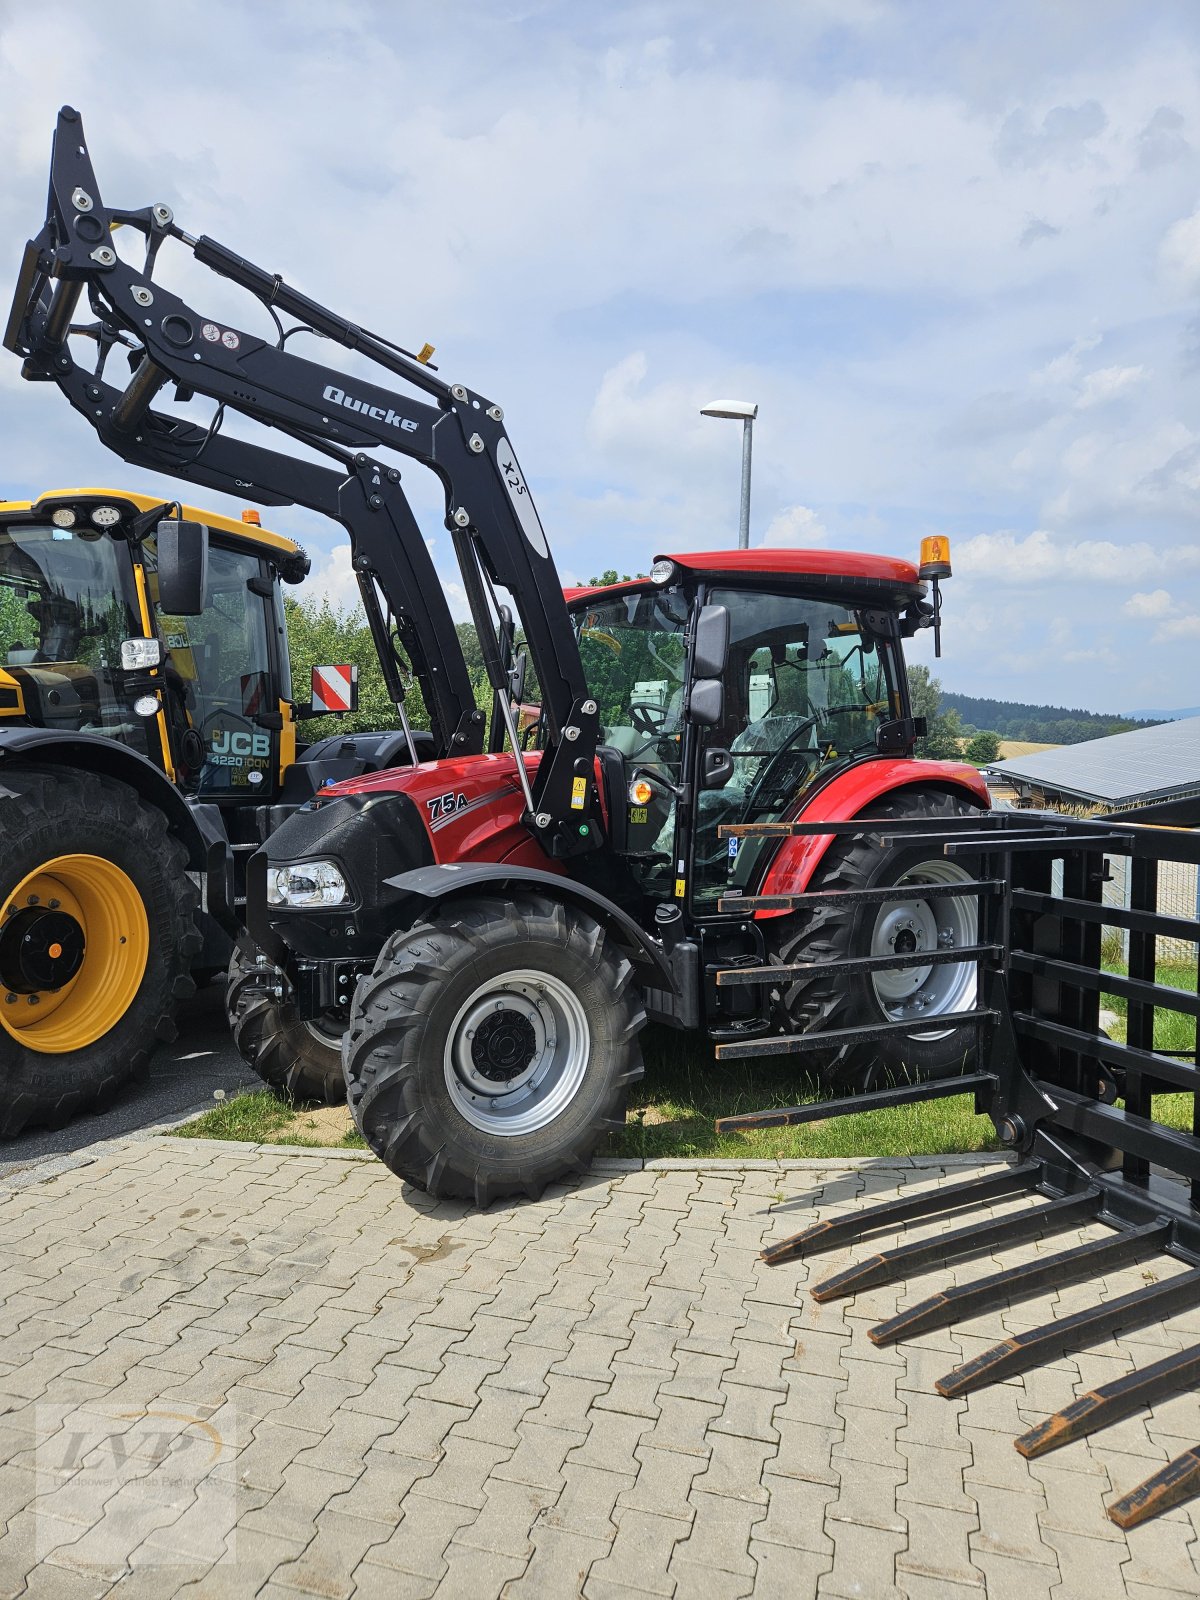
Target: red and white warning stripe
{"type": "Point", "coordinates": [333, 688]}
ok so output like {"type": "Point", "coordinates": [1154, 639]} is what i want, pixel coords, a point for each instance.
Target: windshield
{"type": "Point", "coordinates": [61, 598]}
{"type": "Point", "coordinates": [634, 657]}
{"type": "Point", "coordinates": [64, 610]}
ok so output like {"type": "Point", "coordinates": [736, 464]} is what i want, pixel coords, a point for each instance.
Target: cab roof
{"type": "Point", "coordinates": [853, 565]}
{"type": "Point", "coordinates": [244, 532]}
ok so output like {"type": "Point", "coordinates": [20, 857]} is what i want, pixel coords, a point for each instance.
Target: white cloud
{"type": "Point", "coordinates": [1178, 628]}
{"type": "Point", "coordinates": [1154, 603]}
{"type": "Point", "coordinates": [796, 526]}
{"type": "Point", "coordinates": [1179, 254]}
{"type": "Point", "coordinates": [1041, 557]}
{"type": "Point", "coordinates": [333, 579]}
{"type": "Point", "coordinates": [1064, 368]}
{"type": "Point", "coordinates": [1106, 383]}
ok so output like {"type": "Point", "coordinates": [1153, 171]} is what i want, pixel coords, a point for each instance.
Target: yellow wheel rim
{"type": "Point", "coordinates": [105, 902]}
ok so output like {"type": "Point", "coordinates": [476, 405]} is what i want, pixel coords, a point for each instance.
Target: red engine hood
{"type": "Point", "coordinates": [471, 806]}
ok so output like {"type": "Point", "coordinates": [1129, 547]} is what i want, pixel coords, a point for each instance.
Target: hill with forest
{"type": "Point", "coordinates": [1014, 719]}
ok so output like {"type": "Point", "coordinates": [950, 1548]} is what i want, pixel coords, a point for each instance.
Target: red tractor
{"type": "Point", "coordinates": [494, 928]}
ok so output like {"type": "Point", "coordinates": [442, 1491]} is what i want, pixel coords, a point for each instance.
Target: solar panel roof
{"type": "Point", "coordinates": [1121, 769]}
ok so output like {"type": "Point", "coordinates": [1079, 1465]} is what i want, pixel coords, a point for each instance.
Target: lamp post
{"type": "Point", "coordinates": [745, 412]}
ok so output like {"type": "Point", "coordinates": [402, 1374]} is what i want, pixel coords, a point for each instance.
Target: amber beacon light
{"type": "Point", "coordinates": [935, 565]}
{"type": "Point", "coordinates": [935, 558]}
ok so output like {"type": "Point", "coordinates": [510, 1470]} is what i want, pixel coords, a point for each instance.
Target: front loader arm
{"type": "Point", "coordinates": [497, 536]}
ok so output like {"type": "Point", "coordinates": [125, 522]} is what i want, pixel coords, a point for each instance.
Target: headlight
{"type": "Point", "coordinates": [306, 883]}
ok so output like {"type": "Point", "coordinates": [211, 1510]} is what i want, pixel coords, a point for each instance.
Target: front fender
{"type": "Point", "coordinates": [438, 883]}
{"type": "Point", "coordinates": [91, 752]}
{"type": "Point", "coordinates": [792, 868]}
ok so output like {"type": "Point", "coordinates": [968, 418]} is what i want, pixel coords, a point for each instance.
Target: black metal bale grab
{"type": "Point", "coordinates": [1049, 1076]}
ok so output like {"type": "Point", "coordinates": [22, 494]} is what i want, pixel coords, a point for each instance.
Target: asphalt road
{"type": "Point", "coordinates": [183, 1077]}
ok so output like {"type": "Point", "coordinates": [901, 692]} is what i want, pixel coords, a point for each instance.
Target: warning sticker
{"type": "Point", "coordinates": [680, 888]}
{"type": "Point", "coordinates": [230, 339]}
{"type": "Point", "coordinates": [211, 332]}
{"type": "Point", "coordinates": [578, 793]}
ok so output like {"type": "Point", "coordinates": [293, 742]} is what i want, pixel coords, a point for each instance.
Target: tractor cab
{"type": "Point", "coordinates": [732, 686]}
{"type": "Point", "coordinates": [88, 646]}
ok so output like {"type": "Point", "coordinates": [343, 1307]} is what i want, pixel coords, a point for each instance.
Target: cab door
{"type": "Point", "coordinates": [222, 673]}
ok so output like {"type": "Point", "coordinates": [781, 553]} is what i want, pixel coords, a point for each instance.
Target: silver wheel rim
{"type": "Point", "coordinates": [517, 1052]}
{"type": "Point", "coordinates": [907, 926]}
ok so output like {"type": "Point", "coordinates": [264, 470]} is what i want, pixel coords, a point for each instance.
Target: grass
{"type": "Point", "coordinates": [673, 1109]}
{"type": "Point", "coordinates": [1174, 1032]}
{"type": "Point", "coordinates": [259, 1118]}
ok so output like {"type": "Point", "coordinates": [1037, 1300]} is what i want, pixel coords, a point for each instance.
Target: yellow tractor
{"type": "Point", "coordinates": [148, 745]}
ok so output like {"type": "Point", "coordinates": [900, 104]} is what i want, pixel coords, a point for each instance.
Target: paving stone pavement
{"type": "Point", "coordinates": [234, 1371]}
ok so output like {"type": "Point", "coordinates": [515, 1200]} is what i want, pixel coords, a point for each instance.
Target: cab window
{"type": "Point", "coordinates": [806, 689]}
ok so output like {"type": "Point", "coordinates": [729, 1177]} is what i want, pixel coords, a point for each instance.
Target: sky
{"type": "Point", "coordinates": [952, 251]}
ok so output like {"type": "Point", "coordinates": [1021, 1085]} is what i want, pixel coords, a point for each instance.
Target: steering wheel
{"type": "Point", "coordinates": [776, 757]}
{"type": "Point", "coordinates": [648, 719]}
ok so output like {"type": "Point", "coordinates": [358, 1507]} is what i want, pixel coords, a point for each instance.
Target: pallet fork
{"type": "Point", "coordinates": [1050, 1078]}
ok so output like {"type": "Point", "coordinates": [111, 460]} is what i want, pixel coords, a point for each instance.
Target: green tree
{"type": "Point", "coordinates": [320, 635]}
{"type": "Point", "coordinates": [468, 643]}
{"type": "Point", "coordinates": [925, 693]}
{"type": "Point", "coordinates": [943, 738]}
{"type": "Point", "coordinates": [983, 748]}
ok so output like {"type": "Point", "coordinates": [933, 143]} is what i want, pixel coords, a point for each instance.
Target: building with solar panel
{"type": "Point", "coordinates": [1152, 771]}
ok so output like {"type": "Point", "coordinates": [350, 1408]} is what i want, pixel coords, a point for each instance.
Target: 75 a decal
{"type": "Point", "coordinates": [445, 805]}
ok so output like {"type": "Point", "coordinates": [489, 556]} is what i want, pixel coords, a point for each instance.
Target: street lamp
{"type": "Point", "coordinates": [745, 412]}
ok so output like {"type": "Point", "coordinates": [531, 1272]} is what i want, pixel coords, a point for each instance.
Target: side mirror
{"type": "Point", "coordinates": [334, 691]}
{"type": "Point", "coordinates": [706, 703]}
{"type": "Point", "coordinates": [517, 674]}
{"type": "Point", "coordinates": [710, 653]}
{"type": "Point", "coordinates": [182, 566]}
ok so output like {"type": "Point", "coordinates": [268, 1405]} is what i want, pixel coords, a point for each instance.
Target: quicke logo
{"type": "Point", "coordinates": [339, 397]}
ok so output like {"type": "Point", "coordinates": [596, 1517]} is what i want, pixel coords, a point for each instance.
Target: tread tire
{"type": "Point", "coordinates": [828, 1000]}
{"type": "Point", "coordinates": [271, 1038]}
{"type": "Point", "coordinates": [43, 815]}
{"type": "Point", "coordinates": [393, 1053]}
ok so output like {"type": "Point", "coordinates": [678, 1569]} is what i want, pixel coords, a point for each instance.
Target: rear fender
{"type": "Point", "coordinates": [437, 884]}
{"type": "Point", "coordinates": [793, 866]}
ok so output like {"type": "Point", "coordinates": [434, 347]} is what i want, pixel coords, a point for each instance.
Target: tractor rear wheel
{"type": "Point", "coordinates": [829, 999]}
{"type": "Point", "coordinates": [299, 1060]}
{"type": "Point", "coordinates": [491, 1049]}
{"type": "Point", "coordinates": [97, 932]}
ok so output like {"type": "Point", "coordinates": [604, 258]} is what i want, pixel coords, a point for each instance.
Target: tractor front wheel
{"type": "Point", "coordinates": [917, 994]}
{"type": "Point", "coordinates": [490, 1050]}
{"type": "Point", "coordinates": [299, 1060]}
{"type": "Point", "coordinates": [97, 932]}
